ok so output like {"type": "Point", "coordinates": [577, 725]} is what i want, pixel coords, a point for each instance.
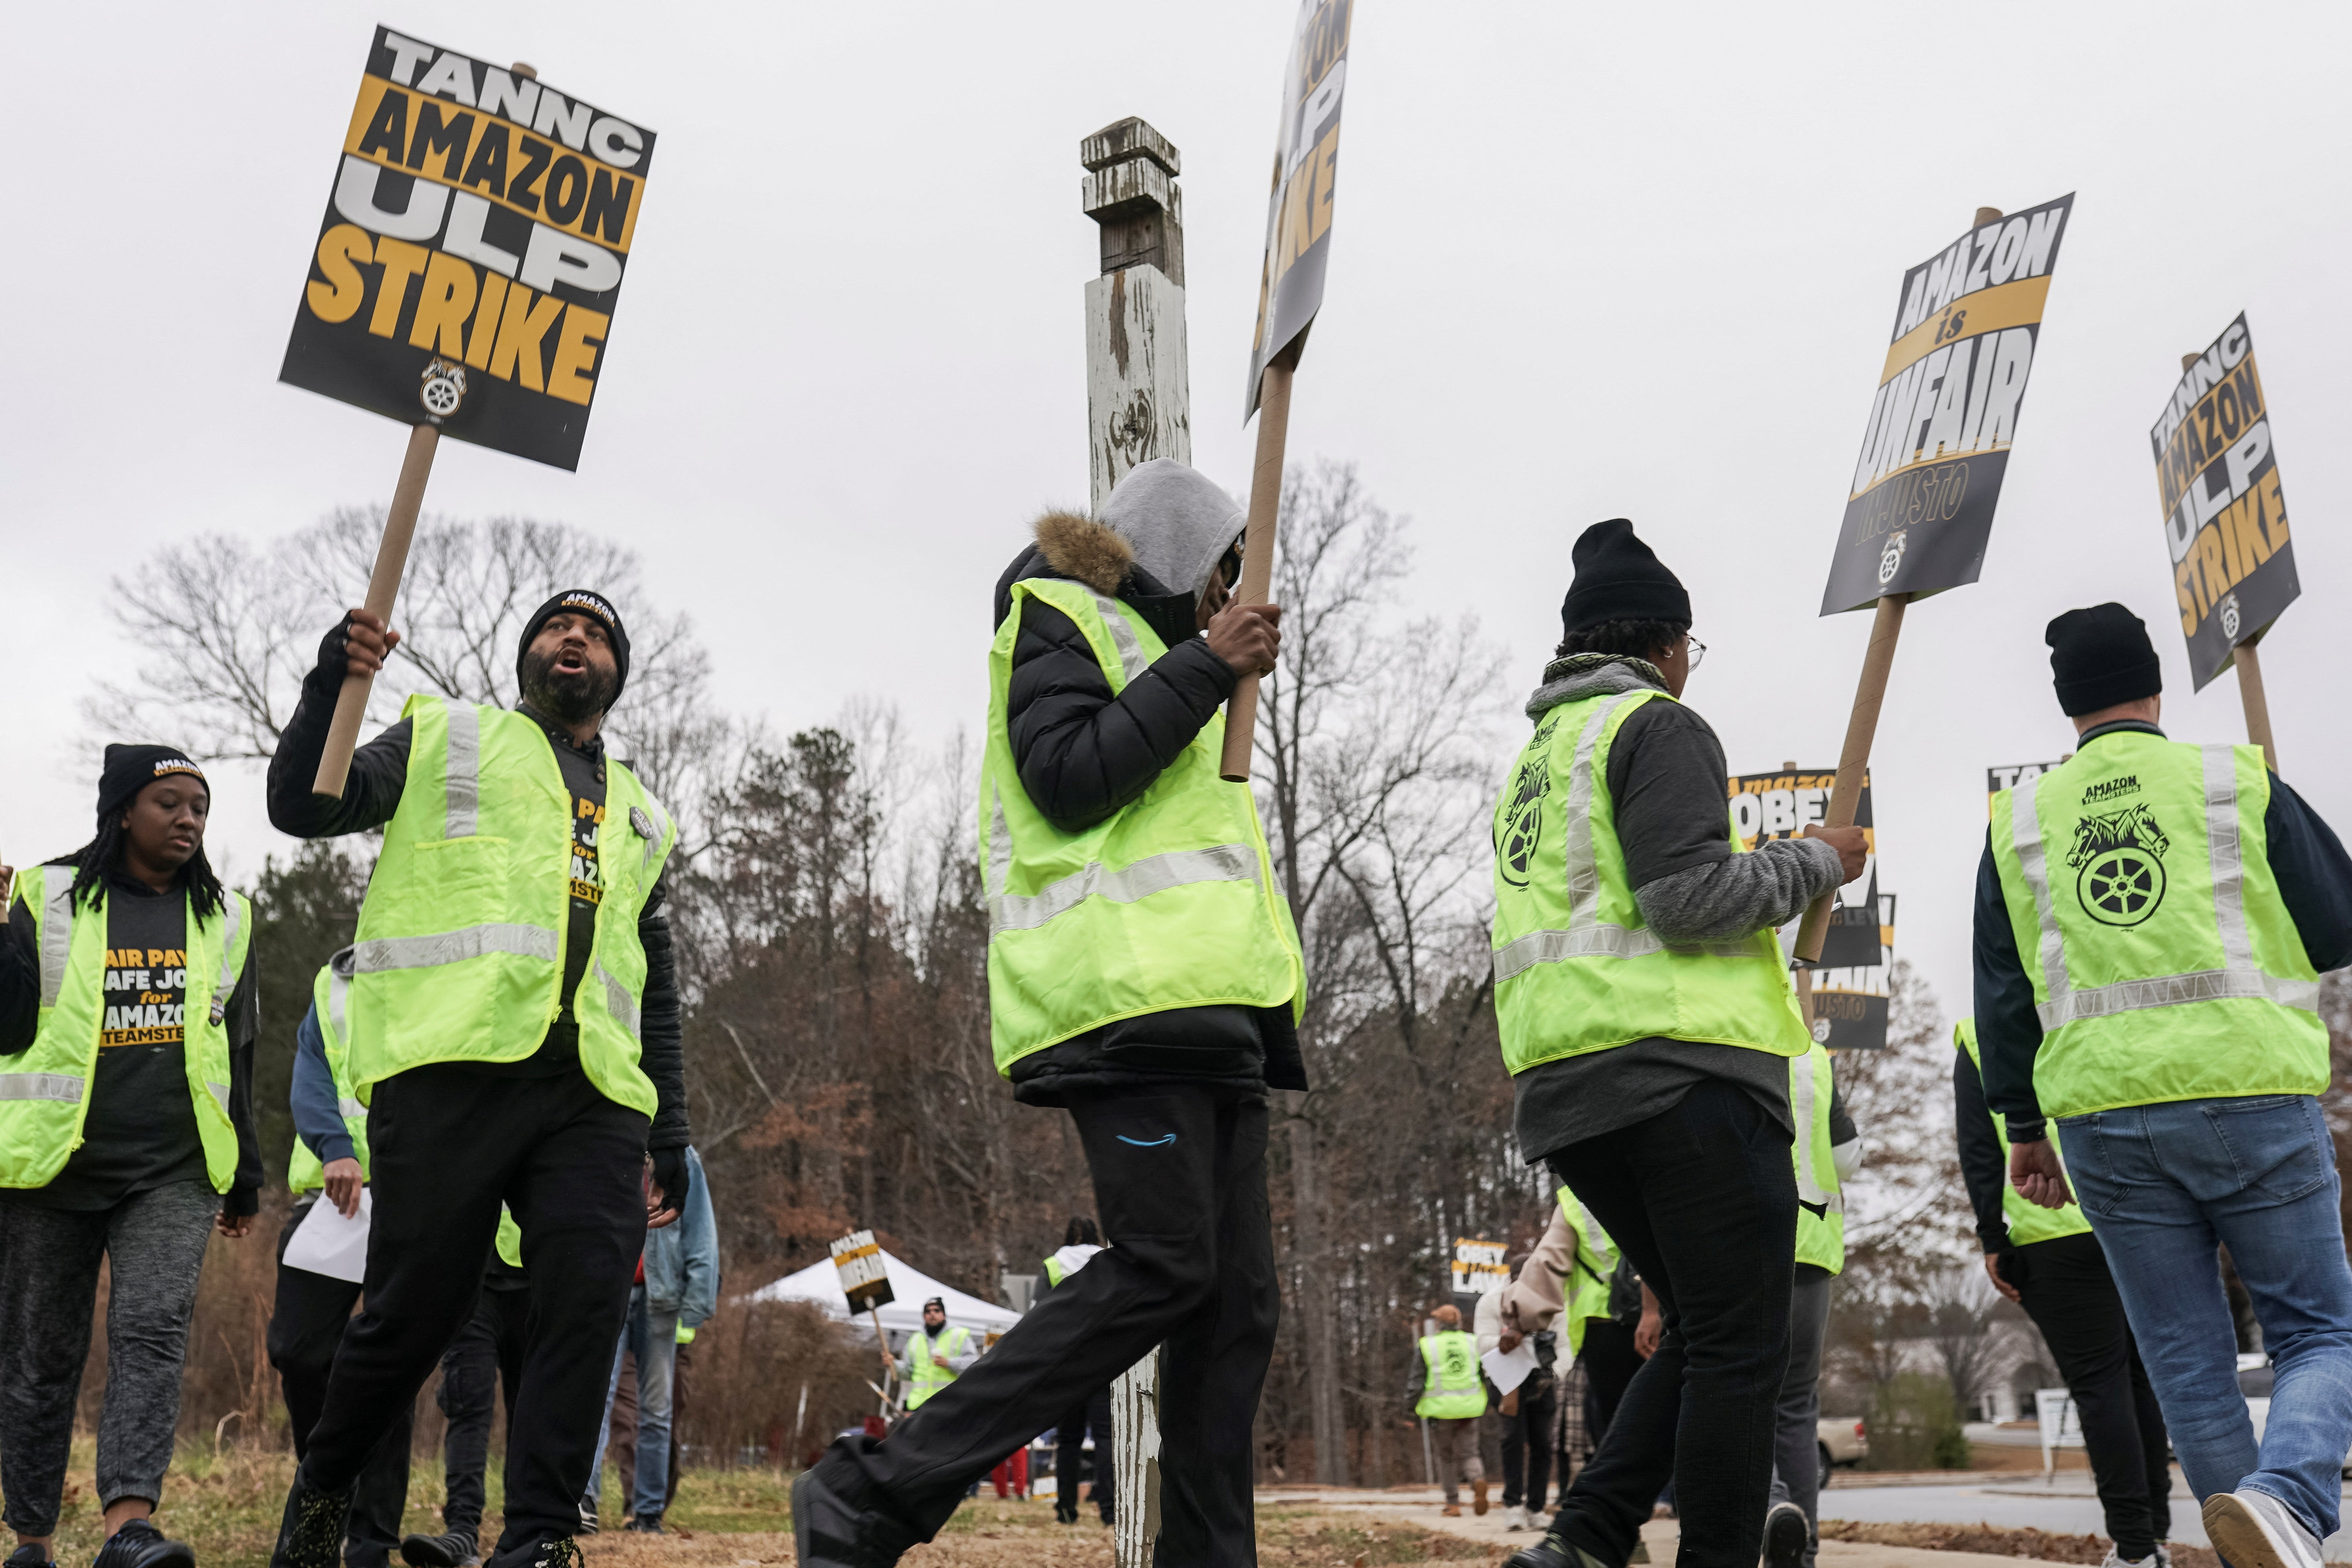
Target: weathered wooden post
{"type": "Point", "coordinates": [1139, 388]}
{"type": "Point", "coordinates": [1138, 407]}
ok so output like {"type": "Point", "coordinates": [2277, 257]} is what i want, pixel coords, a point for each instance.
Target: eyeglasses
{"type": "Point", "coordinates": [1697, 651]}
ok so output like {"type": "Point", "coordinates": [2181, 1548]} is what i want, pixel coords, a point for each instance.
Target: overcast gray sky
{"type": "Point", "coordinates": [1588, 261]}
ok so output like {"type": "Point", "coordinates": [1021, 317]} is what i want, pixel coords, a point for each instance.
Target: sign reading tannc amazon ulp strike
{"type": "Point", "coordinates": [2224, 516]}
{"type": "Point", "coordinates": [471, 253]}
{"type": "Point", "coordinates": [1936, 445]}
{"type": "Point", "coordinates": [1306, 172]}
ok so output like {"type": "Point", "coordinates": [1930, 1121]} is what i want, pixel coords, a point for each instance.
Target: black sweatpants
{"type": "Point", "coordinates": [1527, 1444]}
{"type": "Point", "coordinates": [1180, 1183]}
{"type": "Point", "coordinates": [1703, 1199]}
{"type": "Point", "coordinates": [306, 1326]}
{"type": "Point", "coordinates": [2065, 1289]}
{"type": "Point", "coordinates": [447, 1144]}
{"type": "Point", "coordinates": [1070, 1454]}
{"type": "Point", "coordinates": [485, 1358]}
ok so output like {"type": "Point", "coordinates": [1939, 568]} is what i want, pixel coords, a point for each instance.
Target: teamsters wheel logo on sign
{"type": "Point", "coordinates": [2232, 617]}
{"type": "Point", "coordinates": [1890, 559]}
{"type": "Point", "coordinates": [444, 388]}
{"type": "Point", "coordinates": [2119, 860]}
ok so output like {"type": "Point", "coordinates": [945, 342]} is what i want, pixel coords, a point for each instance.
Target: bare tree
{"type": "Point", "coordinates": [1962, 1307]}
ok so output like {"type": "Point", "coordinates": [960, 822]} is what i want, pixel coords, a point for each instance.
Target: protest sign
{"type": "Point", "coordinates": [1291, 291]}
{"type": "Point", "coordinates": [1765, 806]}
{"type": "Point", "coordinates": [2224, 515]}
{"type": "Point", "coordinates": [1305, 168]}
{"type": "Point", "coordinates": [865, 1278]}
{"type": "Point", "coordinates": [471, 252]}
{"type": "Point", "coordinates": [1478, 1265]}
{"type": "Point", "coordinates": [1936, 446]}
{"type": "Point", "coordinates": [2013, 775]}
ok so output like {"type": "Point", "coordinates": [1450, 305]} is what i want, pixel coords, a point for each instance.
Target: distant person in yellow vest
{"type": "Point", "coordinates": [2151, 921]}
{"type": "Point", "coordinates": [329, 1164]}
{"type": "Point", "coordinates": [1828, 1152]}
{"type": "Point", "coordinates": [127, 1019]}
{"type": "Point", "coordinates": [514, 1035]}
{"type": "Point", "coordinates": [2047, 1261]}
{"type": "Point", "coordinates": [1578, 1287]}
{"type": "Point", "coordinates": [1446, 1390]}
{"type": "Point", "coordinates": [937, 1356]}
{"type": "Point", "coordinates": [1081, 1243]}
{"type": "Point", "coordinates": [1647, 1018]}
{"type": "Point", "coordinates": [1143, 973]}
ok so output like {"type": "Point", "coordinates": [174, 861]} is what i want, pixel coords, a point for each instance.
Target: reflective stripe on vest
{"type": "Point", "coordinates": [1820, 1196]}
{"type": "Point", "coordinates": [2028, 1221]}
{"type": "Point", "coordinates": [1577, 968]}
{"type": "Point", "coordinates": [330, 1001]}
{"type": "Point", "coordinates": [2150, 986]}
{"type": "Point", "coordinates": [56, 1086]}
{"type": "Point", "coordinates": [56, 931]}
{"type": "Point", "coordinates": [1587, 1285]}
{"type": "Point", "coordinates": [1454, 1392]}
{"type": "Point", "coordinates": [1170, 902]}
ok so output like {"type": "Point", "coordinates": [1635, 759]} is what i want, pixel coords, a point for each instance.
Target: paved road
{"type": "Point", "coordinates": [2066, 1503]}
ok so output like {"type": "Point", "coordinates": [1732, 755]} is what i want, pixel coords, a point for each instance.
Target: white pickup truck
{"type": "Point", "coordinates": [1844, 1441]}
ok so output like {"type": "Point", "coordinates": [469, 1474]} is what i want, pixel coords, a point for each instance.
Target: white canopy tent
{"type": "Point", "coordinates": [820, 1283]}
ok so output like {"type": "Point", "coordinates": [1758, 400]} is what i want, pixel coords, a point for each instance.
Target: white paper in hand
{"type": "Point", "coordinates": [1506, 1370]}
{"type": "Point", "coordinates": [330, 1244]}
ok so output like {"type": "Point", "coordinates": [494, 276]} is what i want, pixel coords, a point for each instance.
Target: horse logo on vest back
{"type": "Point", "coordinates": [1515, 848]}
{"type": "Point", "coordinates": [2119, 859]}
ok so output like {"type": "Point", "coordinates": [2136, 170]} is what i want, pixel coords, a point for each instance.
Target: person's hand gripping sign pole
{"type": "Point", "coordinates": [454, 301]}
{"type": "Point", "coordinates": [1291, 291]}
{"type": "Point", "coordinates": [1934, 454]}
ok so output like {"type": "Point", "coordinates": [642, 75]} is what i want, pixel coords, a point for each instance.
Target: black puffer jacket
{"type": "Point", "coordinates": [1084, 753]}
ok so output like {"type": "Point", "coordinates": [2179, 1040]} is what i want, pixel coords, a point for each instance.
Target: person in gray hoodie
{"type": "Point", "coordinates": [1169, 1104]}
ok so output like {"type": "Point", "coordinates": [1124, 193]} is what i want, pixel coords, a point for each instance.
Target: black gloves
{"type": "Point", "coordinates": [673, 1176]}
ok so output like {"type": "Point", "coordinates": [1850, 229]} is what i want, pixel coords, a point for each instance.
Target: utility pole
{"type": "Point", "coordinates": [1138, 407]}
{"type": "Point", "coordinates": [1139, 389]}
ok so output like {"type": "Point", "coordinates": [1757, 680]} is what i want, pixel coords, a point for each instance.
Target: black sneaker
{"type": "Point", "coordinates": [1552, 1551]}
{"type": "Point", "coordinates": [541, 1552]}
{"type": "Point", "coordinates": [139, 1544]}
{"type": "Point", "coordinates": [27, 1557]}
{"type": "Point", "coordinates": [1064, 1513]}
{"type": "Point", "coordinates": [1786, 1536]}
{"type": "Point", "coordinates": [311, 1534]}
{"type": "Point", "coordinates": [455, 1549]}
{"type": "Point", "coordinates": [587, 1517]}
{"type": "Point", "coordinates": [644, 1524]}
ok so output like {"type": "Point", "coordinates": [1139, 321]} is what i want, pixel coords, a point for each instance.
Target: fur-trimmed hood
{"type": "Point", "coordinates": [1085, 551]}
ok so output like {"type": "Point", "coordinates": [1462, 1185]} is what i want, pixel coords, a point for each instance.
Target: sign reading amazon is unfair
{"type": "Point", "coordinates": [471, 253]}
{"type": "Point", "coordinates": [1937, 446]}
{"type": "Point", "coordinates": [2224, 515]}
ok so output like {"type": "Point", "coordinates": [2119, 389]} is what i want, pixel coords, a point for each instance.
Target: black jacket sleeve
{"type": "Point", "coordinates": [1983, 1169]}
{"type": "Point", "coordinates": [379, 769]}
{"type": "Point", "coordinates": [20, 981]}
{"type": "Point", "coordinates": [1084, 753]}
{"type": "Point", "coordinates": [244, 1016]}
{"type": "Point", "coordinates": [2009, 1029]}
{"type": "Point", "coordinates": [662, 1048]}
{"type": "Point", "coordinates": [2314, 876]}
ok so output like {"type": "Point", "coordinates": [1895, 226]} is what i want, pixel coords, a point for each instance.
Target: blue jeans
{"type": "Point", "coordinates": [2162, 1184]}
{"type": "Point", "coordinates": [652, 1337]}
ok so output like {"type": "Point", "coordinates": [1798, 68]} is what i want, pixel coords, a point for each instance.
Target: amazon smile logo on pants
{"type": "Point", "coordinates": [1159, 1142]}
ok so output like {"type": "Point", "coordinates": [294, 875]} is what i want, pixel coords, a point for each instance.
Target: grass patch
{"type": "Point", "coordinates": [1994, 1541]}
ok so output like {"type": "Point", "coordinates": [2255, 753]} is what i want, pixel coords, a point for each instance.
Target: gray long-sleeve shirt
{"type": "Point", "coordinates": [1666, 778]}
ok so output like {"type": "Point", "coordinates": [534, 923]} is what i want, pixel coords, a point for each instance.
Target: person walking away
{"type": "Point", "coordinates": [677, 1287]}
{"type": "Point", "coordinates": [1828, 1152]}
{"type": "Point", "coordinates": [1143, 972]}
{"type": "Point", "coordinates": [514, 1035]}
{"type": "Point", "coordinates": [1574, 1280]}
{"type": "Point", "coordinates": [485, 1357]}
{"type": "Point", "coordinates": [2048, 1262]}
{"type": "Point", "coordinates": [1646, 1016]}
{"type": "Point", "coordinates": [1529, 1412]}
{"type": "Point", "coordinates": [128, 1014]}
{"type": "Point", "coordinates": [937, 1356]}
{"type": "Point", "coordinates": [329, 1164]}
{"type": "Point", "coordinates": [1081, 1239]}
{"type": "Point", "coordinates": [2151, 917]}
{"type": "Point", "coordinates": [1445, 1390]}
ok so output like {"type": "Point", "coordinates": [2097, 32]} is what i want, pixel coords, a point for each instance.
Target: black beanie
{"type": "Point", "coordinates": [1618, 579]}
{"type": "Point", "coordinates": [585, 602]}
{"type": "Point", "coordinates": [2101, 656]}
{"type": "Point", "coordinates": [130, 769]}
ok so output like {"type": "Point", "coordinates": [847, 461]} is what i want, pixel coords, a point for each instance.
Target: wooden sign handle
{"type": "Point", "coordinates": [1853, 758]}
{"type": "Point", "coordinates": [384, 588]}
{"type": "Point", "coordinates": [1257, 546]}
